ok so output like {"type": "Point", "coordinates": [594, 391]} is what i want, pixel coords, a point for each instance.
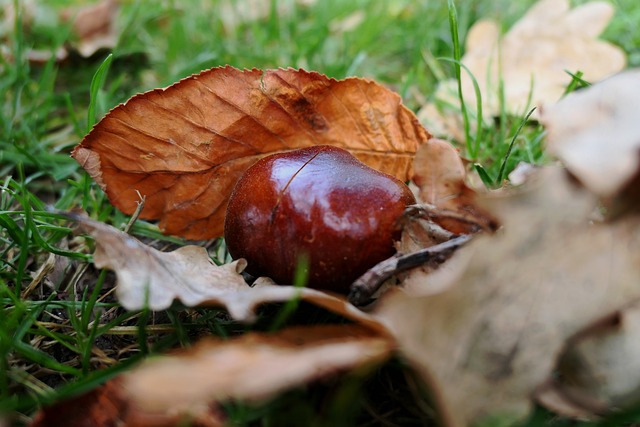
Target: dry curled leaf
{"type": "Point", "coordinates": [151, 278]}
{"type": "Point", "coordinates": [441, 178]}
{"type": "Point", "coordinates": [447, 208]}
{"type": "Point", "coordinates": [184, 147]}
{"type": "Point", "coordinates": [531, 59]}
{"type": "Point", "coordinates": [486, 344]}
{"type": "Point", "coordinates": [191, 385]}
{"type": "Point", "coordinates": [595, 133]}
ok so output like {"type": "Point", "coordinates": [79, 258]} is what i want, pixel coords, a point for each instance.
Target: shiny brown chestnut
{"type": "Point", "coordinates": [318, 202]}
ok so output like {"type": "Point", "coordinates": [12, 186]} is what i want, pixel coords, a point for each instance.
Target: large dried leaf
{"type": "Point", "coordinates": [530, 60]}
{"type": "Point", "coordinates": [154, 279]}
{"type": "Point", "coordinates": [486, 344]}
{"type": "Point", "coordinates": [184, 147]}
{"type": "Point", "coordinates": [171, 389]}
{"type": "Point", "coordinates": [595, 133]}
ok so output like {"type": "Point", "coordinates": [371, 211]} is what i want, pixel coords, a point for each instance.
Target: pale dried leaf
{"type": "Point", "coordinates": [531, 58]}
{"type": "Point", "coordinates": [150, 278]}
{"type": "Point", "coordinates": [485, 344]}
{"type": "Point", "coordinates": [443, 121]}
{"type": "Point", "coordinates": [522, 173]}
{"type": "Point", "coordinates": [595, 133]}
{"type": "Point", "coordinates": [153, 279]}
{"type": "Point", "coordinates": [184, 147]}
{"type": "Point", "coordinates": [600, 367]}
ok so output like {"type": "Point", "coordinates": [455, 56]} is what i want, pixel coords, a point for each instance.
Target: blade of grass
{"type": "Point", "coordinates": [42, 358]}
{"type": "Point", "coordinates": [26, 233]}
{"type": "Point", "coordinates": [473, 154]}
{"type": "Point", "coordinates": [97, 82]}
{"type": "Point", "coordinates": [299, 281]}
{"type": "Point", "coordinates": [484, 175]}
{"type": "Point", "coordinates": [576, 82]}
{"type": "Point", "coordinates": [503, 166]}
{"type": "Point", "coordinates": [457, 56]}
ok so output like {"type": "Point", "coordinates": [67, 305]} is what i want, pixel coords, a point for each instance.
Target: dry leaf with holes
{"type": "Point", "coordinates": [486, 344]}
{"type": "Point", "coordinates": [184, 147]}
{"type": "Point", "coordinates": [595, 133]}
{"type": "Point", "coordinates": [531, 59]}
{"type": "Point", "coordinates": [192, 384]}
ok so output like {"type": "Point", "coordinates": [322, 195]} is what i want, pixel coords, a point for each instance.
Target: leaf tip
{"type": "Point", "coordinates": [90, 161]}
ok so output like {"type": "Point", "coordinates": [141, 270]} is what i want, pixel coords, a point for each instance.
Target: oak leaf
{"type": "Point", "coordinates": [487, 343]}
{"type": "Point", "coordinates": [147, 277]}
{"type": "Point", "coordinates": [184, 147]}
{"type": "Point", "coordinates": [530, 60]}
{"type": "Point", "coordinates": [191, 385]}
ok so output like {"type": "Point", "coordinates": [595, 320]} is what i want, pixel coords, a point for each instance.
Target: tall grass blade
{"type": "Point", "coordinates": [97, 82]}
{"type": "Point", "coordinates": [457, 55]}
{"type": "Point", "coordinates": [503, 166]}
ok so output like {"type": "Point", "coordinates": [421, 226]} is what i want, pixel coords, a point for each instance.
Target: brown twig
{"type": "Point", "coordinates": [367, 284]}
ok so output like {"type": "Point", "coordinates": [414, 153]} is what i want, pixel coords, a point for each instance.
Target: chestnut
{"type": "Point", "coordinates": [318, 203]}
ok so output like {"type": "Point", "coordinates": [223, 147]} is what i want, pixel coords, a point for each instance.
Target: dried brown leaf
{"type": "Point", "coordinates": [253, 367]}
{"type": "Point", "coordinates": [442, 180]}
{"type": "Point", "coordinates": [184, 147]}
{"type": "Point", "coordinates": [102, 406]}
{"type": "Point", "coordinates": [150, 278]}
{"type": "Point", "coordinates": [440, 175]}
{"type": "Point", "coordinates": [486, 344]}
{"type": "Point", "coordinates": [595, 133]}
{"type": "Point", "coordinates": [192, 384]}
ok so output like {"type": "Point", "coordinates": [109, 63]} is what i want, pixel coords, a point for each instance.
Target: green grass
{"type": "Point", "coordinates": [65, 334]}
